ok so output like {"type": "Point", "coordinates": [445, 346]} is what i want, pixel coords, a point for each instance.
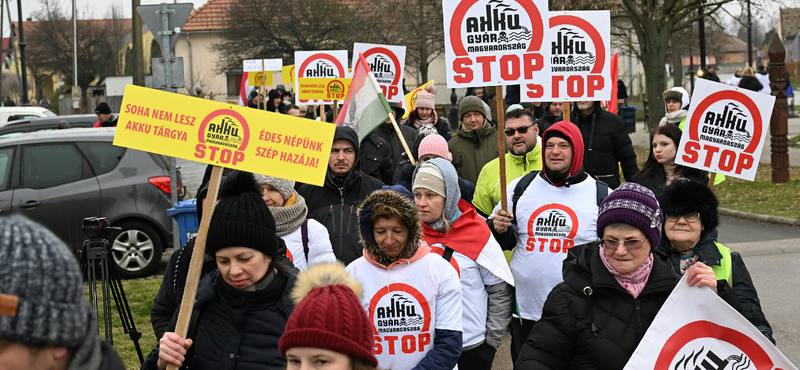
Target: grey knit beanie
{"type": "Point", "coordinates": [285, 187]}
{"type": "Point", "coordinates": [41, 287]}
{"type": "Point", "coordinates": [471, 104]}
{"type": "Point", "coordinates": [450, 176]}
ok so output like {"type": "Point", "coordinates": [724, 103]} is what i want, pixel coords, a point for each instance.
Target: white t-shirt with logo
{"type": "Point", "coordinates": [550, 220]}
{"type": "Point", "coordinates": [406, 304]}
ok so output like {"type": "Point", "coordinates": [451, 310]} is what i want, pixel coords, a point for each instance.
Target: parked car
{"type": "Point", "coordinates": [23, 113]}
{"type": "Point", "coordinates": [46, 123]}
{"type": "Point", "coordinates": [58, 178]}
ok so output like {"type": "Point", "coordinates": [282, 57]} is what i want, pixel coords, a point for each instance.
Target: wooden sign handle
{"type": "Point", "coordinates": [196, 263]}
{"type": "Point", "coordinates": [402, 139]}
{"type": "Point", "coordinates": [501, 146]}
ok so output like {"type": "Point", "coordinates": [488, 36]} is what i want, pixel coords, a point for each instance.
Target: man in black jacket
{"type": "Point", "coordinates": [553, 112]}
{"type": "Point", "coordinates": [387, 132]}
{"type": "Point", "coordinates": [607, 144]}
{"type": "Point", "coordinates": [335, 204]}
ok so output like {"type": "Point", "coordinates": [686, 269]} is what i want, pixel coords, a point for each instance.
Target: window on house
{"type": "Point", "coordinates": [234, 82]}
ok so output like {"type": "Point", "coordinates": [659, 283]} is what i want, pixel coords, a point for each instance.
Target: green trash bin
{"type": "Point", "coordinates": [629, 117]}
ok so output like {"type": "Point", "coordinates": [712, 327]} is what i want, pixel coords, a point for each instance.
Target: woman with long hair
{"type": "Point", "coordinates": [660, 169]}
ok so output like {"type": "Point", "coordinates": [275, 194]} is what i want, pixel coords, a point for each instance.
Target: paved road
{"type": "Point", "coordinates": [772, 255]}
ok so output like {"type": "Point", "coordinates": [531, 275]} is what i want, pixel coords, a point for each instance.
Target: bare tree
{"type": "Point", "coordinates": [50, 44]}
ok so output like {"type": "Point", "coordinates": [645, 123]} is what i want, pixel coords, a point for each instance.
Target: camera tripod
{"type": "Point", "coordinates": [94, 257]}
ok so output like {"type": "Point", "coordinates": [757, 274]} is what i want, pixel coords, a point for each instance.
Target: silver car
{"type": "Point", "coordinates": [58, 178]}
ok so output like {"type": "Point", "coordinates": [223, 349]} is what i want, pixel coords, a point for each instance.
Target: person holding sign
{"type": "Point", "coordinates": [691, 233]}
{"type": "Point", "coordinates": [612, 290]}
{"type": "Point", "coordinates": [242, 307]}
{"type": "Point", "coordinates": [424, 113]}
{"type": "Point", "coordinates": [475, 144]}
{"type": "Point", "coordinates": [660, 169]}
{"type": "Point", "coordinates": [456, 232]}
{"type": "Point", "coordinates": [412, 296]}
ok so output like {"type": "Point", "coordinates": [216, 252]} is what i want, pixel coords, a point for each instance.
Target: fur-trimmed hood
{"type": "Point", "coordinates": [408, 216]}
{"type": "Point", "coordinates": [684, 196]}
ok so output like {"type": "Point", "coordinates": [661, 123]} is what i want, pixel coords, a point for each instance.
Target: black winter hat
{"type": "Point", "coordinates": [242, 219]}
{"type": "Point", "coordinates": [684, 196]}
{"type": "Point", "coordinates": [102, 108]}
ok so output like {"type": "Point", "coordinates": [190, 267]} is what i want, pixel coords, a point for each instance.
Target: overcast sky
{"type": "Point", "coordinates": [101, 8]}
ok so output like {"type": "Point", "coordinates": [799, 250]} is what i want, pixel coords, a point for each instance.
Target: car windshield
{"type": "Point", "coordinates": [48, 113]}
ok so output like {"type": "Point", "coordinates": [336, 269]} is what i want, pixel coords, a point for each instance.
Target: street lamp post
{"type": "Point", "coordinates": [22, 45]}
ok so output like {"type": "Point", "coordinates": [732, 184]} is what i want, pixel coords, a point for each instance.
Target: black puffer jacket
{"type": "Point", "coordinates": [395, 149]}
{"type": "Point", "coordinates": [234, 329]}
{"type": "Point", "coordinates": [605, 144]}
{"type": "Point", "coordinates": [335, 204]}
{"type": "Point", "coordinates": [743, 286]}
{"type": "Point", "coordinates": [590, 322]}
{"type": "Point", "coordinates": [376, 158]}
{"type": "Point", "coordinates": [750, 83]}
{"type": "Point", "coordinates": [656, 181]}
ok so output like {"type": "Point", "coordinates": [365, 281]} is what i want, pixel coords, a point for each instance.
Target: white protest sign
{"type": "Point", "coordinates": [318, 64]}
{"type": "Point", "coordinates": [387, 64]}
{"type": "Point", "coordinates": [725, 129]}
{"type": "Point", "coordinates": [695, 329]}
{"type": "Point", "coordinates": [255, 65]}
{"type": "Point", "coordinates": [495, 42]}
{"type": "Point", "coordinates": [579, 60]}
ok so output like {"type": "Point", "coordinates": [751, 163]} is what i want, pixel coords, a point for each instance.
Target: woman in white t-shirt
{"type": "Point", "coordinates": [412, 296]}
{"type": "Point", "coordinates": [307, 241]}
{"type": "Point", "coordinates": [456, 232]}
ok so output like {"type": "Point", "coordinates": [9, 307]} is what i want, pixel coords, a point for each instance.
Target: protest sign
{"type": "Point", "coordinates": [496, 42]}
{"type": "Point", "coordinates": [696, 329]}
{"type": "Point", "coordinates": [324, 88]}
{"type": "Point", "coordinates": [725, 129]}
{"type": "Point", "coordinates": [257, 65]}
{"type": "Point", "coordinates": [387, 63]}
{"type": "Point", "coordinates": [579, 62]}
{"type": "Point", "coordinates": [411, 98]}
{"type": "Point", "coordinates": [224, 135]}
{"type": "Point", "coordinates": [318, 64]}
{"type": "Point", "coordinates": [288, 74]}
{"type": "Point", "coordinates": [259, 78]}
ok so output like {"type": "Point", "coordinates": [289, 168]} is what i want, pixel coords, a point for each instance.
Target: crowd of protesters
{"type": "Point", "coordinates": [397, 260]}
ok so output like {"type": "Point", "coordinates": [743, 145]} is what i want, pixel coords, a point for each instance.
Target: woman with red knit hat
{"type": "Point", "coordinates": [424, 113]}
{"type": "Point", "coordinates": [328, 326]}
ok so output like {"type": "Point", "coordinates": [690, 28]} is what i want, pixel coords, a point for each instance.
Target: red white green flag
{"type": "Point", "coordinates": [365, 106]}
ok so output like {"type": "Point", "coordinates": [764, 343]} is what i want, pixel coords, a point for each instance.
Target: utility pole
{"type": "Point", "coordinates": [74, 50]}
{"type": "Point", "coordinates": [702, 28]}
{"type": "Point", "coordinates": [749, 36]}
{"type": "Point", "coordinates": [22, 45]}
{"type": "Point", "coordinates": [138, 49]}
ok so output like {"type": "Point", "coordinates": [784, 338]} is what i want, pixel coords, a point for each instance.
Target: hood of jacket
{"type": "Point", "coordinates": [574, 135]}
{"type": "Point", "coordinates": [350, 135]}
{"type": "Point", "coordinates": [407, 212]}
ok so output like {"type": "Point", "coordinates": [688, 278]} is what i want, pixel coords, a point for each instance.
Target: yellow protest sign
{"type": "Point", "coordinates": [257, 78]}
{"type": "Point", "coordinates": [324, 88]}
{"type": "Point", "coordinates": [411, 98]}
{"type": "Point", "coordinates": [224, 135]}
{"type": "Point", "coordinates": [288, 74]}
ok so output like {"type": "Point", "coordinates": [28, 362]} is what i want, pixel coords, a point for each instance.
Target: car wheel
{"type": "Point", "coordinates": [136, 250]}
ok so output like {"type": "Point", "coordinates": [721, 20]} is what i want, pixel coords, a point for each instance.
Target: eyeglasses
{"type": "Point", "coordinates": [631, 245]}
{"type": "Point", "coordinates": [522, 130]}
{"type": "Point", "coordinates": [689, 217]}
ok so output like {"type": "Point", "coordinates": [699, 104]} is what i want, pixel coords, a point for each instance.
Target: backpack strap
{"type": "Point", "coordinates": [304, 234]}
{"type": "Point", "coordinates": [519, 189]}
{"type": "Point", "coordinates": [448, 253]}
{"type": "Point", "coordinates": [602, 191]}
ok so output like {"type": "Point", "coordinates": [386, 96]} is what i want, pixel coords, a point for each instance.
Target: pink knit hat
{"type": "Point", "coordinates": [434, 144]}
{"type": "Point", "coordinates": [425, 100]}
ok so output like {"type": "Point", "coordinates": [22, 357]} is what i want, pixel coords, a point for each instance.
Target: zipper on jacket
{"type": "Point", "coordinates": [638, 315]}
{"type": "Point", "coordinates": [341, 222]}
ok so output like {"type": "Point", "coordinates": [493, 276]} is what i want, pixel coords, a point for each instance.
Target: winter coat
{"type": "Point", "coordinates": [762, 76]}
{"type": "Point", "coordinates": [376, 159]}
{"type": "Point", "coordinates": [606, 146]}
{"type": "Point", "coordinates": [336, 206]}
{"type": "Point", "coordinates": [112, 122]}
{"type": "Point", "coordinates": [235, 329]}
{"type": "Point", "coordinates": [319, 246]}
{"type": "Point", "coordinates": [547, 120]}
{"type": "Point", "coordinates": [590, 321]}
{"type": "Point", "coordinates": [709, 254]}
{"type": "Point", "coordinates": [472, 150]}
{"type": "Point", "coordinates": [657, 180]}
{"type": "Point", "coordinates": [396, 150]}
{"type": "Point", "coordinates": [94, 353]}
{"type": "Point", "coordinates": [442, 125]}
{"type": "Point", "coordinates": [487, 190]}
{"type": "Point", "coordinates": [750, 83]}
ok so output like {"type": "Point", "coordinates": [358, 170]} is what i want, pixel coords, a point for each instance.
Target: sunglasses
{"type": "Point", "coordinates": [522, 130]}
{"type": "Point", "coordinates": [630, 245]}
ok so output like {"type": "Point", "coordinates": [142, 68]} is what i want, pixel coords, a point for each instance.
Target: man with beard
{"type": "Point", "coordinates": [607, 145]}
{"type": "Point", "coordinates": [553, 112]}
{"type": "Point", "coordinates": [523, 156]}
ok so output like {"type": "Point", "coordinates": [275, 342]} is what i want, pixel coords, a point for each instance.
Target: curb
{"type": "Point", "coordinates": [757, 217]}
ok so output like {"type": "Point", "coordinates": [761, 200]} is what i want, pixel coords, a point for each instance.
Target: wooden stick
{"type": "Point", "coordinates": [322, 112]}
{"type": "Point", "coordinates": [711, 179]}
{"type": "Point", "coordinates": [402, 139]}
{"type": "Point", "coordinates": [501, 146]}
{"type": "Point", "coordinates": [196, 263]}
{"type": "Point", "coordinates": [264, 86]}
{"type": "Point", "coordinates": [335, 109]}
{"type": "Point", "coordinates": [566, 108]}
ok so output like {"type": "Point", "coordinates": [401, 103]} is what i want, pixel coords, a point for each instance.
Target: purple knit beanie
{"type": "Point", "coordinates": [635, 205]}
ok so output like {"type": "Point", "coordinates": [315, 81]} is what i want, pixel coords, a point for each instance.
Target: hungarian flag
{"type": "Point", "coordinates": [245, 90]}
{"type": "Point", "coordinates": [611, 105]}
{"type": "Point", "coordinates": [365, 106]}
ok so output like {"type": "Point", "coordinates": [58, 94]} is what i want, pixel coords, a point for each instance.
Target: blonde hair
{"type": "Point", "coordinates": [748, 72]}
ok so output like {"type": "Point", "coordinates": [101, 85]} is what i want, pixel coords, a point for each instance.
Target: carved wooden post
{"type": "Point", "coordinates": [779, 123]}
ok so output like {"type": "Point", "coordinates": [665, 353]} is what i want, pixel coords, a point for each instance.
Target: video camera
{"type": "Point", "coordinates": [97, 228]}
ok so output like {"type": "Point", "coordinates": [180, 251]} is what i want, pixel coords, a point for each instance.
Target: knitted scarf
{"type": "Point", "coordinates": [633, 282]}
{"type": "Point", "coordinates": [427, 122]}
{"type": "Point", "coordinates": [290, 217]}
